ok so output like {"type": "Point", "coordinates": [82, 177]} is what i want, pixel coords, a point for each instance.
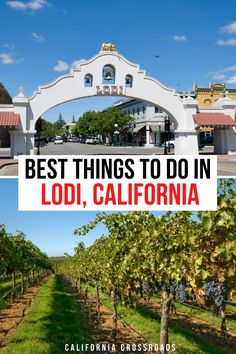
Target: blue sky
{"type": "Point", "coordinates": [52, 232]}
{"type": "Point", "coordinates": [40, 39]}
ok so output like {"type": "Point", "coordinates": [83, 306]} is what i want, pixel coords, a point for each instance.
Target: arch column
{"type": "Point", "coordinates": [148, 144]}
{"type": "Point", "coordinates": [22, 139]}
{"type": "Point", "coordinates": [224, 138]}
{"type": "Point", "coordinates": [186, 135]}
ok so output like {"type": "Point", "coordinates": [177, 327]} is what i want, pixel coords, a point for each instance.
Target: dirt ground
{"type": "Point", "coordinates": [125, 334]}
{"type": "Point", "coordinates": [102, 328]}
{"type": "Point", "coordinates": [13, 315]}
{"type": "Point", "coordinates": [209, 332]}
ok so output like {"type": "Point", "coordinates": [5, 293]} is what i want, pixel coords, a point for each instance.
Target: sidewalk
{"type": "Point", "coordinates": [8, 166]}
{"type": "Point", "coordinates": [6, 162]}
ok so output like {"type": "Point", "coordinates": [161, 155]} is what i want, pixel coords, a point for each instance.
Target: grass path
{"type": "Point", "coordinates": [53, 320]}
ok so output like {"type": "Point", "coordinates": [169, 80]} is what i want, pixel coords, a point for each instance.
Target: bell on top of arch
{"type": "Point", "coordinates": [108, 75]}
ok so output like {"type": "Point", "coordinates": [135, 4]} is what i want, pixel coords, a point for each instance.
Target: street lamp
{"type": "Point", "coordinates": [116, 135]}
{"type": "Point", "coordinates": [159, 133]}
{"type": "Point", "coordinates": [167, 130]}
{"type": "Point", "coordinates": [38, 127]}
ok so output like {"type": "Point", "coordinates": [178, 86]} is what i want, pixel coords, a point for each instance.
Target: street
{"type": "Point", "coordinates": [98, 149]}
{"type": "Point", "coordinates": [8, 167]}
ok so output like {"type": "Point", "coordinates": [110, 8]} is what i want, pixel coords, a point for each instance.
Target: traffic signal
{"type": "Point", "coordinates": [167, 125]}
{"type": "Point", "coordinates": [38, 125]}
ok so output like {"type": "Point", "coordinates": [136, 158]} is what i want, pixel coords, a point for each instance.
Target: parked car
{"type": "Point", "coordinates": [42, 141]}
{"type": "Point", "coordinates": [70, 139]}
{"type": "Point", "coordinates": [82, 139]}
{"type": "Point", "coordinates": [90, 140]}
{"type": "Point", "coordinates": [170, 143]}
{"type": "Point", "coordinates": [58, 140]}
{"type": "Point", "coordinates": [98, 141]}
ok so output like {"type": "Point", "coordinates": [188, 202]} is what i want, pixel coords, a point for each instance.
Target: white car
{"type": "Point", "coordinates": [58, 140]}
{"type": "Point", "coordinates": [90, 140]}
{"type": "Point", "coordinates": [170, 143]}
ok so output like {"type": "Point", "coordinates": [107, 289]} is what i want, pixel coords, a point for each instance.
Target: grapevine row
{"type": "Point", "coordinates": [183, 256]}
{"type": "Point", "coordinates": [20, 258]}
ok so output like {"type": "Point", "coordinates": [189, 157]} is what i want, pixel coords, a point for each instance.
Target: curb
{"type": "Point", "coordinates": [8, 164]}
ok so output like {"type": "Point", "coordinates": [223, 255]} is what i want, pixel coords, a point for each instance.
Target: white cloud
{"type": "Point", "coordinates": [6, 58]}
{"type": "Point", "coordinates": [17, 5]}
{"type": "Point", "coordinates": [221, 74]}
{"type": "Point", "coordinates": [218, 76]}
{"type": "Point", "coordinates": [29, 5]}
{"type": "Point", "coordinates": [61, 66]}
{"type": "Point", "coordinates": [76, 63]}
{"type": "Point", "coordinates": [18, 61]}
{"type": "Point", "coordinates": [38, 37]}
{"type": "Point", "coordinates": [36, 4]}
{"type": "Point", "coordinates": [179, 38]}
{"type": "Point", "coordinates": [229, 42]}
{"type": "Point", "coordinates": [229, 69]}
{"type": "Point", "coordinates": [231, 28]}
{"type": "Point", "coordinates": [9, 46]}
{"type": "Point", "coordinates": [231, 80]}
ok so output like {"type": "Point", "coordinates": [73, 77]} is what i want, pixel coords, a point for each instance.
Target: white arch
{"type": "Point", "coordinates": [71, 87]}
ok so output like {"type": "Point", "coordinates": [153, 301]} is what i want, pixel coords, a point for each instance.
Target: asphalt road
{"type": "Point", "coordinates": [226, 163]}
{"type": "Point", "coordinates": [227, 166]}
{"type": "Point", "coordinates": [87, 149]}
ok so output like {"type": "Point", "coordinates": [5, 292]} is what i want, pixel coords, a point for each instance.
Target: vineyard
{"type": "Point", "coordinates": [22, 266]}
{"type": "Point", "coordinates": [179, 257]}
{"type": "Point", "coordinates": [21, 261]}
{"type": "Point", "coordinates": [154, 284]}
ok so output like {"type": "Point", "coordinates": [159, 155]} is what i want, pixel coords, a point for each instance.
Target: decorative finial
{"type": "Point", "coordinates": [108, 47]}
{"type": "Point", "coordinates": [21, 92]}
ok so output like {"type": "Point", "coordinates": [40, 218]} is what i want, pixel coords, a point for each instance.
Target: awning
{"type": "Point", "coordinates": [138, 127]}
{"type": "Point", "coordinates": [9, 119]}
{"type": "Point", "coordinates": [214, 119]}
{"type": "Point", "coordinates": [156, 128]}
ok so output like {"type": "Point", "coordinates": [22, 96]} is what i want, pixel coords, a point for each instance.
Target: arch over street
{"type": "Point", "coordinates": [107, 74]}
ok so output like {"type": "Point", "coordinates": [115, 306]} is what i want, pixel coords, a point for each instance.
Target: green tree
{"type": "Point", "coordinates": [86, 125]}
{"type": "Point", "coordinates": [108, 119]}
{"type": "Point", "coordinates": [60, 122]}
{"type": "Point", "coordinates": [102, 123]}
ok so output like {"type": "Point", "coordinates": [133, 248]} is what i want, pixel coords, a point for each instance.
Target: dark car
{"type": "Point", "coordinates": [42, 141]}
{"type": "Point", "coordinates": [82, 139]}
